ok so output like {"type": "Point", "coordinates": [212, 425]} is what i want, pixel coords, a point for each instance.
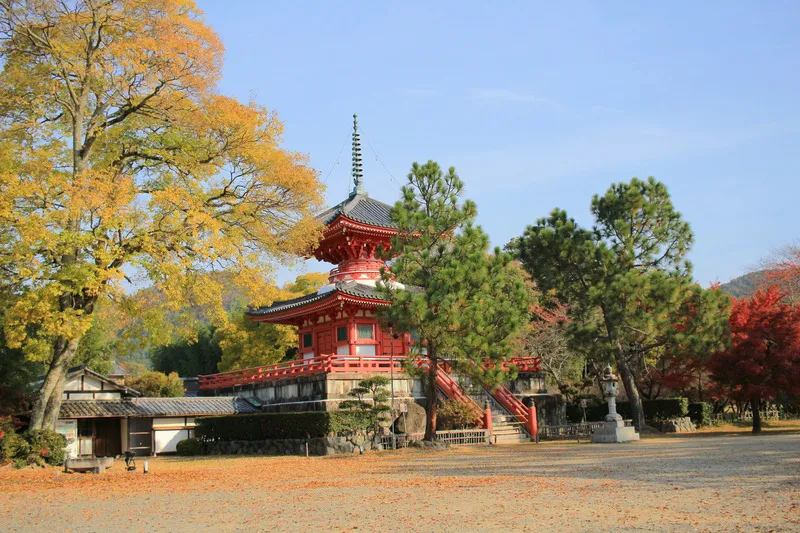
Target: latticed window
{"type": "Point", "coordinates": [307, 340]}
{"type": "Point", "coordinates": [341, 334]}
{"type": "Point", "coordinates": [365, 331]}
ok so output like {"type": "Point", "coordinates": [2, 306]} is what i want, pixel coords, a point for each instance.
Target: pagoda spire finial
{"type": "Point", "coordinates": [358, 177]}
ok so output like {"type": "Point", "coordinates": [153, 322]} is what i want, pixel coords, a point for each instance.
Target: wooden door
{"type": "Point", "coordinates": [107, 437]}
{"type": "Point", "coordinates": [140, 435]}
{"type": "Point", "coordinates": [325, 342]}
{"type": "Point", "coordinates": [386, 344]}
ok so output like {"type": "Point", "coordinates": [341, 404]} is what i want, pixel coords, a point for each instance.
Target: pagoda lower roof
{"type": "Point", "coordinates": [351, 291]}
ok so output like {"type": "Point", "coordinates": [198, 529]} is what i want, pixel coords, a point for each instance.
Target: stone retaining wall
{"type": "Point", "coordinates": [317, 446]}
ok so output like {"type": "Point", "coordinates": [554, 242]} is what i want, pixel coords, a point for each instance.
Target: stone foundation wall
{"type": "Point", "coordinates": [319, 392]}
{"type": "Point", "coordinates": [551, 409]}
{"type": "Point", "coordinates": [318, 446]}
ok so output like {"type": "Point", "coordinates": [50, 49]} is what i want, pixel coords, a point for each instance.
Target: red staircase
{"type": "Point", "coordinates": [526, 415]}
{"type": "Point", "coordinates": [451, 389]}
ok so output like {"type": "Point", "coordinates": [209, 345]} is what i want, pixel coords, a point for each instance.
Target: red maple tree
{"type": "Point", "coordinates": [764, 356]}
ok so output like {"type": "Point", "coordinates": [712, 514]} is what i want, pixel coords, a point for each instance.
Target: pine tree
{"type": "Point", "coordinates": [461, 302]}
{"type": "Point", "coordinates": [627, 281]}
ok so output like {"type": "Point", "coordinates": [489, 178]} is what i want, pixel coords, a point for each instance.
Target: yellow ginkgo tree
{"type": "Point", "coordinates": [119, 158]}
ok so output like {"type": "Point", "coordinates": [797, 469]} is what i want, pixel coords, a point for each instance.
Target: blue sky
{"type": "Point", "coordinates": [539, 105]}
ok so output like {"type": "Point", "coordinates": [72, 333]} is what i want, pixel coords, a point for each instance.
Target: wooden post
{"type": "Point", "coordinates": [533, 423]}
{"type": "Point", "coordinates": [487, 420]}
{"type": "Point", "coordinates": [351, 324]}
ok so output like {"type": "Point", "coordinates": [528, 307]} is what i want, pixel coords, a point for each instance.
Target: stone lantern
{"type": "Point", "coordinates": [609, 383]}
{"type": "Point", "coordinates": [614, 429]}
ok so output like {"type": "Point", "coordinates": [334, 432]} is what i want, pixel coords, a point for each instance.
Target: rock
{"type": "Point", "coordinates": [678, 425]}
{"type": "Point", "coordinates": [412, 421]}
{"type": "Point", "coordinates": [435, 445]}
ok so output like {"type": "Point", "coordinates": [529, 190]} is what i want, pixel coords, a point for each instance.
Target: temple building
{"type": "Point", "coordinates": [340, 340]}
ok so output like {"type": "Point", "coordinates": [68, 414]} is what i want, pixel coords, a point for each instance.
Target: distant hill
{"type": "Point", "coordinates": [746, 285]}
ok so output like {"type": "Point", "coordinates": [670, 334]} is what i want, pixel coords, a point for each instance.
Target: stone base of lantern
{"type": "Point", "coordinates": [614, 431]}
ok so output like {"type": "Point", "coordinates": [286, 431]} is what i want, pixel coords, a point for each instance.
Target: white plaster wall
{"type": "Point", "coordinates": [90, 383]}
{"type": "Point", "coordinates": [365, 349]}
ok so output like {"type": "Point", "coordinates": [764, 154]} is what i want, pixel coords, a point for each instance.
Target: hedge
{"type": "Point", "coordinates": [653, 410]}
{"type": "Point", "coordinates": [701, 413]}
{"type": "Point", "coordinates": [265, 426]}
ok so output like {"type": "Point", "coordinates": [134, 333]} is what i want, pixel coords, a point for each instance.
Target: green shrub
{"type": "Point", "coordinates": [454, 414]}
{"type": "Point", "coordinates": [13, 447]}
{"type": "Point", "coordinates": [46, 447]}
{"type": "Point", "coordinates": [345, 423]}
{"type": "Point", "coordinates": [189, 447]}
{"type": "Point", "coordinates": [701, 413]}
{"type": "Point", "coordinates": [39, 447]}
{"type": "Point", "coordinates": [264, 426]}
{"type": "Point", "coordinates": [49, 445]}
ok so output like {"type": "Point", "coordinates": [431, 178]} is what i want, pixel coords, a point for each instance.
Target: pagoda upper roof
{"type": "Point", "coordinates": [361, 208]}
{"type": "Point", "coordinates": [350, 288]}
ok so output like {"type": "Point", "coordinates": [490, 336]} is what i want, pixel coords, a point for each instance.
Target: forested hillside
{"type": "Point", "coordinates": [746, 285]}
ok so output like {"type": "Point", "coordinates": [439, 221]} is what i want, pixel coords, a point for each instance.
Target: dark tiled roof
{"type": "Point", "coordinates": [361, 208]}
{"type": "Point", "coordinates": [217, 405]}
{"type": "Point", "coordinates": [97, 408]}
{"type": "Point", "coordinates": [222, 405]}
{"type": "Point", "coordinates": [347, 287]}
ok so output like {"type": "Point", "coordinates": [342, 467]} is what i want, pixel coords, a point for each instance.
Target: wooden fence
{"type": "Point", "coordinates": [746, 416]}
{"type": "Point", "coordinates": [453, 437]}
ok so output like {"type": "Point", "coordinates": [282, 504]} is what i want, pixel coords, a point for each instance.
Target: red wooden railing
{"type": "Point", "coordinates": [451, 389]}
{"type": "Point", "coordinates": [524, 364]}
{"type": "Point", "coordinates": [328, 363]}
{"type": "Point", "coordinates": [525, 414]}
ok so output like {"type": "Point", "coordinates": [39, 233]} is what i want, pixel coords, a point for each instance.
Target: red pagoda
{"type": "Point", "coordinates": [340, 318]}
{"type": "Point", "coordinates": [339, 336]}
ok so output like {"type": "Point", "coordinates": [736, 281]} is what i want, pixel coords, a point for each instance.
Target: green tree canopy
{"type": "Point", "coordinates": [189, 359]}
{"type": "Point", "coordinates": [157, 384]}
{"type": "Point", "coordinates": [626, 281]}
{"type": "Point", "coordinates": [461, 301]}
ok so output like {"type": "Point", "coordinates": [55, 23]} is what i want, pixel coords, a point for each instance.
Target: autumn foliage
{"type": "Point", "coordinates": [764, 356]}
{"type": "Point", "coordinates": [118, 157]}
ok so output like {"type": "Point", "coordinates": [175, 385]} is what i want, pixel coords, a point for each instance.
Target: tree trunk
{"type": "Point", "coordinates": [628, 380]}
{"type": "Point", "coordinates": [47, 405]}
{"type": "Point", "coordinates": [48, 402]}
{"type": "Point", "coordinates": [432, 407]}
{"type": "Point", "coordinates": [755, 405]}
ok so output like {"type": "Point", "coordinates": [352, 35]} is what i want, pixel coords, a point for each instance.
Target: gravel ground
{"type": "Point", "coordinates": [729, 483]}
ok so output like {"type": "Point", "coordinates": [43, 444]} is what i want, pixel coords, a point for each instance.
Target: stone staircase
{"type": "Point", "coordinates": [506, 428]}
